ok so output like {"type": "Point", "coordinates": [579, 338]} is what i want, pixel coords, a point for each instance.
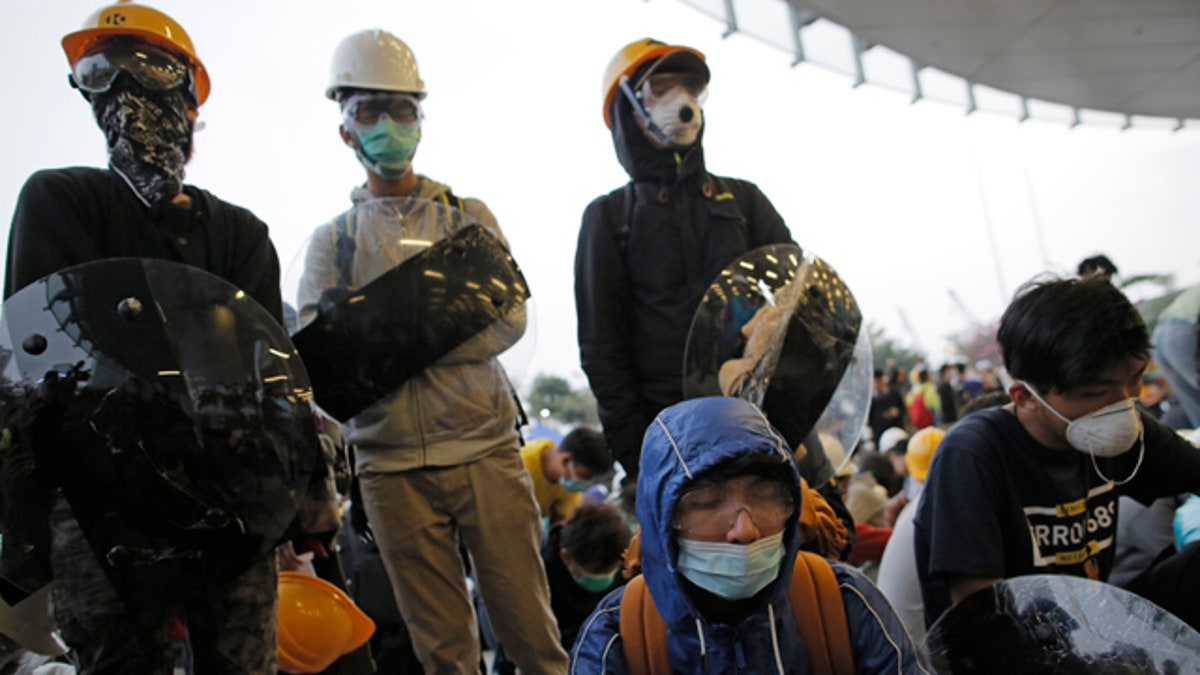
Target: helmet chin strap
{"type": "Point", "coordinates": [651, 129]}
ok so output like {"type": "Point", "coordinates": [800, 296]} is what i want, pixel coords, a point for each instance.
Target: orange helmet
{"type": "Point", "coordinates": [317, 623]}
{"type": "Point", "coordinates": [145, 23]}
{"type": "Point", "coordinates": [633, 55]}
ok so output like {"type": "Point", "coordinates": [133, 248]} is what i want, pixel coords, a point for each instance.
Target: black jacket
{"type": "Point", "coordinates": [66, 217]}
{"type": "Point", "coordinates": [645, 256]}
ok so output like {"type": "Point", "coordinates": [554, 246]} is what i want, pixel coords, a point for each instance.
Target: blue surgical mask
{"type": "Point", "coordinates": [387, 147]}
{"type": "Point", "coordinates": [595, 583]}
{"type": "Point", "coordinates": [570, 483]}
{"type": "Point", "coordinates": [731, 571]}
{"type": "Point", "coordinates": [574, 485]}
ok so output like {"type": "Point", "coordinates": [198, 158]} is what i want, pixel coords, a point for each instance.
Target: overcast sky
{"type": "Point", "coordinates": [906, 201]}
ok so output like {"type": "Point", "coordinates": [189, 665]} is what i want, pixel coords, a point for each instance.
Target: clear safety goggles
{"type": "Point", "coordinates": [369, 108]}
{"type": "Point", "coordinates": [712, 511]}
{"type": "Point", "coordinates": [154, 68]}
{"type": "Point", "coordinates": [656, 85]}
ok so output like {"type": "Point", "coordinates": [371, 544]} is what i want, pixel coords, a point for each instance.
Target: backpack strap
{"type": "Point", "coordinates": [643, 632]}
{"type": "Point", "coordinates": [344, 244]}
{"type": "Point", "coordinates": [820, 615]}
{"type": "Point", "coordinates": [618, 212]}
{"type": "Point", "coordinates": [457, 208]}
{"type": "Point", "coordinates": [344, 247]}
{"type": "Point", "coordinates": [817, 606]}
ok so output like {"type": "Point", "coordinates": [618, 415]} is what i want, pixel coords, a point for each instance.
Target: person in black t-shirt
{"type": "Point", "coordinates": [1032, 487]}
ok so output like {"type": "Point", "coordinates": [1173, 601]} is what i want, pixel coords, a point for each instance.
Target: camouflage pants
{"type": "Point", "coordinates": [230, 631]}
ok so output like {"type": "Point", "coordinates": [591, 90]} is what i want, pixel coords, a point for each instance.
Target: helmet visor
{"type": "Point", "coordinates": [153, 68]}
{"type": "Point", "coordinates": [369, 108]}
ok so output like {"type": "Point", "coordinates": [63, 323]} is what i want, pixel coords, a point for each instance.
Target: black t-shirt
{"type": "Point", "coordinates": [997, 503]}
{"type": "Point", "coordinates": [67, 217]}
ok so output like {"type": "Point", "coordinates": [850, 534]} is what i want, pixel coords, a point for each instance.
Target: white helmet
{"type": "Point", "coordinates": [374, 59]}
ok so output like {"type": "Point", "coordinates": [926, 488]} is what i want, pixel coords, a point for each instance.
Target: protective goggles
{"type": "Point", "coordinates": [154, 68]}
{"type": "Point", "coordinates": [711, 511]}
{"type": "Point", "coordinates": [370, 108]}
{"type": "Point", "coordinates": [656, 85]}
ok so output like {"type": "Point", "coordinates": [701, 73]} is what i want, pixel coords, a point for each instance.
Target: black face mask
{"type": "Point", "coordinates": [149, 138]}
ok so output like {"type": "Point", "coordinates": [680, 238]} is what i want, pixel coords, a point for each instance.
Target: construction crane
{"type": "Point", "coordinates": [962, 308]}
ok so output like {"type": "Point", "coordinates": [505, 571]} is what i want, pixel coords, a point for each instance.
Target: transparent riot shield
{"type": "Point", "coordinates": [1044, 624]}
{"type": "Point", "coordinates": [172, 412]}
{"type": "Point", "coordinates": [780, 329]}
{"type": "Point", "coordinates": [395, 286]}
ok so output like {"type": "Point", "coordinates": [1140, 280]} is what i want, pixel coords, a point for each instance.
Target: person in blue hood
{"type": "Point", "coordinates": [718, 505]}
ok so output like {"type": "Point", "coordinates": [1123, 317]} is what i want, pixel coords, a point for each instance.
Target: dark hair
{"type": "Point", "coordinates": [1061, 333]}
{"type": "Point", "coordinates": [588, 449]}
{"type": "Point", "coordinates": [880, 466]}
{"type": "Point", "coordinates": [1094, 264]}
{"type": "Point", "coordinates": [595, 535]}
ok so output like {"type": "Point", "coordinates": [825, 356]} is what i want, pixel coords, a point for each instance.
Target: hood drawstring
{"type": "Point", "coordinates": [775, 638]}
{"type": "Point", "coordinates": [703, 645]}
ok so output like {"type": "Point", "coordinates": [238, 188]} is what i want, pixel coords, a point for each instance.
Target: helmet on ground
{"type": "Point", "coordinates": [317, 623]}
{"type": "Point", "coordinates": [920, 451]}
{"type": "Point", "coordinates": [374, 59]}
{"type": "Point", "coordinates": [142, 22]}
{"type": "Point", "coordinates": [633, 55]}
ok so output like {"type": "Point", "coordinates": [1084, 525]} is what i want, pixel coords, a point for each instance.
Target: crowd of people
{"type": "Point", "coordinates": [685, 535]}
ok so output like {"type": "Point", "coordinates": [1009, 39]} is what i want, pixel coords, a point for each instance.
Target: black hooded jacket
{"type": "Point", "coordinates": [646, 254]}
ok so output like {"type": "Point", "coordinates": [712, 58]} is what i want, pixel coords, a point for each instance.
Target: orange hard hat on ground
{"type": "Point", "coordinates": [633, 55]}
{"type": "Point", "coordinates": [140, 21]}
{"type": "Point", "coordinates": [317, 623]}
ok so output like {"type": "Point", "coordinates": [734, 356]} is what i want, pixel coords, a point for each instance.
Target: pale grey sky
{"type": "Point", "coordinates": [899, 198]}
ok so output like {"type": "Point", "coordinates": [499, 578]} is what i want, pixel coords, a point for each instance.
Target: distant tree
{"type": "Point", "coordinates": [555, 395]}
{"type": "Point", "coordinates": [978, 341]}
{"type": "Point", "coordinates": [884, 348]}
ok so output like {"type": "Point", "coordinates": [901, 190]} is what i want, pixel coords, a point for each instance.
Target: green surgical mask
{"type": "Point", "coordinates": [387, 147]}
{"type": "Point", "coordinates": [596, 583]}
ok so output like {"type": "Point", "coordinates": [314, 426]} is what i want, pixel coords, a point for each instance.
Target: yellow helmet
{"type": "Point", "coordinates": [920, 451]}
{"type": "Point", "coordinates": [146, 23]}
{"type": "Point", "coordinates": [317, 623]}
{"type": "Point", "coordinates": [633, 55]}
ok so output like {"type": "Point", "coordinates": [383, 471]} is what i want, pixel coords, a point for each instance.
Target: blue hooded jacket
{"type": "Point", "coordinates": [684, 441]}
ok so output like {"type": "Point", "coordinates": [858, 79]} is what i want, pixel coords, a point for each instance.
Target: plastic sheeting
{"type": "Point", "coordinates": [1060, 624]}
{"type": "Point", "coordinates": [172, 411]}
{"type": "Point", "coordinates": [782, 330]}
